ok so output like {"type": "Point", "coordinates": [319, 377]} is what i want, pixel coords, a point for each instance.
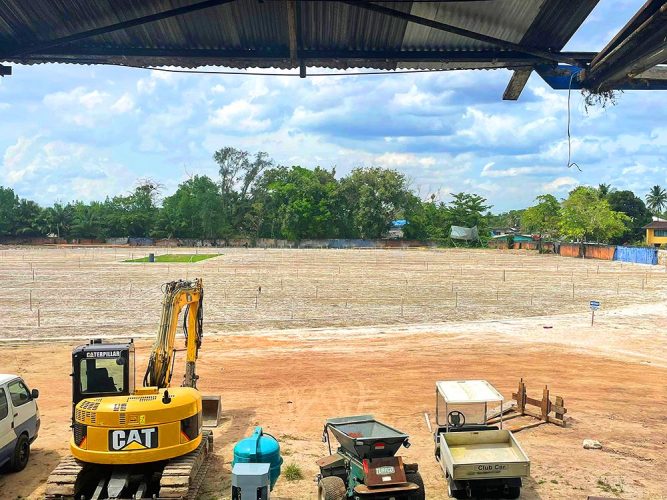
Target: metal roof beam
{"type": "Point", "coordinates": [40, 46]}
{"type": "Point", "coordinates": [637, 51]}
{"type": "Point", "coordinates": [284, 54]}
{"type": "Point", "coordinates": [299, 41]}
{"type": "Point", "coordinates": [655, 73]}
{"type": "Point", "coordinates": [565, 77]}
{"type": "Point", "coordinates": [543, 54]}
{"type": "Point", "coordinates": [292, 27]}
{"type": "Point", "coordinates": [640, 17]}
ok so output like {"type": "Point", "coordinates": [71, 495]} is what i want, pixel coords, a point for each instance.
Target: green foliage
{"type": "Point", "coordinates": [427, 221]}
{"type": "Point", "coordinates": [542, 218]}
{"type": "Point", "coordinates": [8, 207]}
{"type": "Point", "coordinates": [373, 198]}
{"type": "Point", "coordinates": [178, 257]}
{"type": "Point", "coordinates": [511, 219]}
{"type": "Point", "coordinates": [195, 210]}
{"type": "Point", "coordinates": [586, 217]}
{"type": "Point", "coordinates": [656, 200]}
{"type": "Point", "coordinates": [467, 210]}
{"type": "Point", "coordinates": [604, 190]}
{"type": "Point", "coordinates": [298, 203]}
{"type": "Point", "coordinates": [433, 221]}
{"type": "Point", "coordinates": [632, 206]}
{"type": "Point", "coordinates": [292, 472]}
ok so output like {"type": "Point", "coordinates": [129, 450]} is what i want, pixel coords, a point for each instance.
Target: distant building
{"type": "Point", "coordinates": [500, 231]}
{"type": "Point", "coordinates": [396, 230]}
{"type": "Point", "coordinates": [656, 233]}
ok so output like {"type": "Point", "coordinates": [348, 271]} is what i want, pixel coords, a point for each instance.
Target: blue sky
{"type": "Point", "coordinates": [81, 132]}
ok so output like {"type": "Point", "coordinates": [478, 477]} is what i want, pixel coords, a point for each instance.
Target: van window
{"type": "Point", "coordinates": [18, 392]}
{"type": "Point", "coordinates": [4, 407]}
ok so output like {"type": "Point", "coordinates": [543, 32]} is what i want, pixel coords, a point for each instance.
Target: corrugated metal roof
{"type": "Point", "coordinates": [656, 224]}
{"type": "Point", "coordinates": [249, 33]}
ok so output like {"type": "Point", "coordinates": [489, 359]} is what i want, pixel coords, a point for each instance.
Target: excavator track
{"type": "Point", "coordinates": [179, 478]}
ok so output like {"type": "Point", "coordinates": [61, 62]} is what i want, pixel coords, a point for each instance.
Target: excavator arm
{"type": "Point", "coordinates": [178, 295]}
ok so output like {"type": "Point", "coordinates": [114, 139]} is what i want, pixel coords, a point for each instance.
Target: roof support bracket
{"type": "Point", "coordinates": [5, 70]}
{"type": "Point", "coordinates": [516, 84]}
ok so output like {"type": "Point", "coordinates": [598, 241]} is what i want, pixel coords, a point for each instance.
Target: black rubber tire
{"type": "Point", "coordinates": [457, 493]}
{"type": "Point", "coordinates": [513, 492]}
{"type": "Point", "coordinates": [416, 477]}
{"type": "Point", "coordinates": [21, 454]}
{"type": "Point", "coordinates": [331, 488]}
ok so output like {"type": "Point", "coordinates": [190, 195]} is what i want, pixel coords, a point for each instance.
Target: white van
{"type": "Point", "coordinates": [19, 421]}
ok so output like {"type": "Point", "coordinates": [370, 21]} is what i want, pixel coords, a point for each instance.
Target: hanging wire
{"type": "Point", "coordinates": [570, 163]}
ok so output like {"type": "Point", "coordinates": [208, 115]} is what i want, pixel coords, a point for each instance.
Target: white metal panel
{"type": "Point", "coordinates": [467, 391]}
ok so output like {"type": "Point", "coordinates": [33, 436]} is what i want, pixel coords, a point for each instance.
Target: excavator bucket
{"type": "Point", "coordinates": [211, 408]}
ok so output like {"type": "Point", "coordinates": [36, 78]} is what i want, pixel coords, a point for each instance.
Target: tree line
{"type": "Point", "coordinates": [601, 214]}
{"type": "Point", "coordinates": [254, 197]}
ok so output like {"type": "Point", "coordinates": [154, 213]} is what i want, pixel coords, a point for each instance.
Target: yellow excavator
{"type": "Point", "coordinates": [139, 442]}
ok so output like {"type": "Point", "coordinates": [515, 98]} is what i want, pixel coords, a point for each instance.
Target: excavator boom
{"type": "Point", "coordinates": [178, 295]}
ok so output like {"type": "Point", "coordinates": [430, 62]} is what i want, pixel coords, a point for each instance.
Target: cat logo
{"type": "Point", "coordinates": [133, 439]}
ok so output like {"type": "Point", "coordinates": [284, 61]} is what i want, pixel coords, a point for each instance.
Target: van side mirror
{"type": "Point", "coordinates": [34, 394]}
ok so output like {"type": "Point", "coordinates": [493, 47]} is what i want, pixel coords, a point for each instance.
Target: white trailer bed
{"type": "Point", "coordinates": [488, 454]}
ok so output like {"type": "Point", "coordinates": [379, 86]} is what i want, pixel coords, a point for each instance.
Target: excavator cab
{"type": "Point", "coordinates": [100, 369]}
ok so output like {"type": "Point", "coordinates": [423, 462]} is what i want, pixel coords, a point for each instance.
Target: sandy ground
{"type": "Point", "coordinates": [613, 377]}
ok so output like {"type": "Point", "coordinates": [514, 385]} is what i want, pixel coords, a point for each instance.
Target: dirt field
{"type": "Point", "coordinates": [335, 333]}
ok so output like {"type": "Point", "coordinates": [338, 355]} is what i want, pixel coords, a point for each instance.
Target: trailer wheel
{"type": "Point", "coordinates": [416, 478]}
{"type": "Point", "coordinates": [331, 488]}
{"type": "Point", "coordinates": [455, 493]}
{"type": "Point", "coordinates": [21, 454]}
{"type": "Point", "coordinates": [513, 492]}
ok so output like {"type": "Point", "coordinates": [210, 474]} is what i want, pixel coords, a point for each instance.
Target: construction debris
{"type": "Point", "coordinates": [592, 444]}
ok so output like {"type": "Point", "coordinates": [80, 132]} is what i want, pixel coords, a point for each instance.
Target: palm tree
{"type": "Point", "coordinates": [656, 200]}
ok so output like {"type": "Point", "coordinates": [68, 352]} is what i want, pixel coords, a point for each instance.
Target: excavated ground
{"type": "Point", "coordinates": [333, 341]}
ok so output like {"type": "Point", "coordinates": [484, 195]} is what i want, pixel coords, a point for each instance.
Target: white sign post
{"type": "Point", "coordinates": [595, 305]}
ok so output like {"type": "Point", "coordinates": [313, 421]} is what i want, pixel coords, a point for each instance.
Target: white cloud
{"type": "Point", "coordinates": [503, 129]}
{"type": "Point", "coordinates": [395, 160]}
{"type": "Point", "coordinates": [413, 98]}
{"type": "Point", "coordinates": [146, 85]}
{"type": "Point", "coordinates": [45, 170]}
{"type": "Point", "coordinates": [559, 184]}
{"type": "Point", "coordinates": [239, 115]}
{"type": "Point", "coordinates": [85, 108]}
{"type": "Point", "coordinates": [124, 104]}
{"type": "Point", "coordinates": [489, 171]}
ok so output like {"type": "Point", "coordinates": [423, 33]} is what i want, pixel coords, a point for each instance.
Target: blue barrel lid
{"type": "Point", "coordinates": [256, 445]}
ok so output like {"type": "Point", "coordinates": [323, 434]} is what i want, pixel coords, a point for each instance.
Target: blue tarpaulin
{"type": "Point", "coordinates": [637, 255]}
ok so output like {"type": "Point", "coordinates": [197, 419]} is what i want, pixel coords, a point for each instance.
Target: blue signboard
{"type": "Point", "coordinates": [595, 305]}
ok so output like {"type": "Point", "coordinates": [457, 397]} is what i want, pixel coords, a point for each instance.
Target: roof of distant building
{"type": "Point", "coordinates": [656, 224]}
